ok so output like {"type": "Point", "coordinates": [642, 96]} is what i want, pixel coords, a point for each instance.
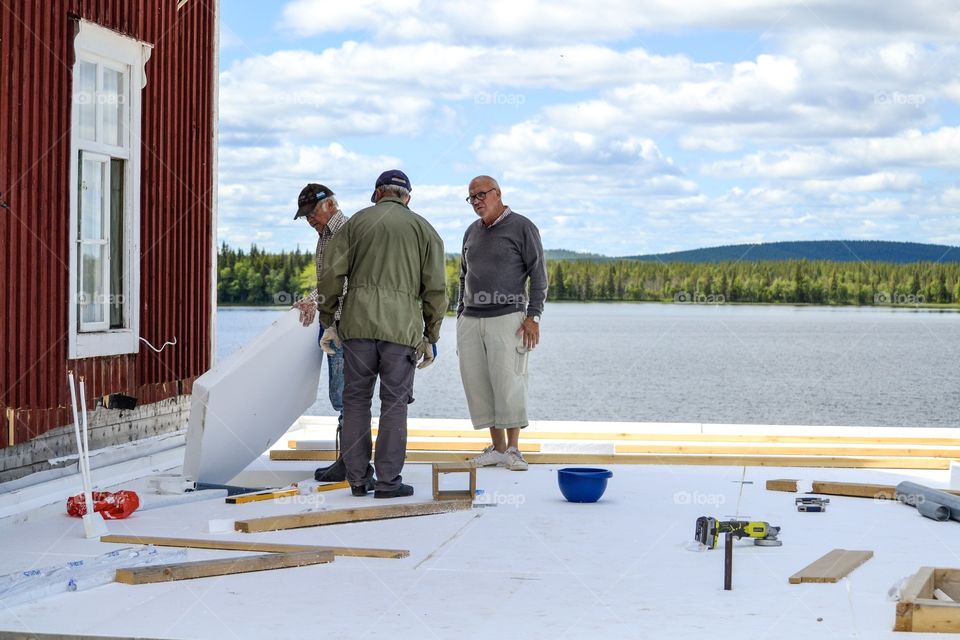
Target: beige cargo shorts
{"type": "Point", "coordinates": [493, 368]}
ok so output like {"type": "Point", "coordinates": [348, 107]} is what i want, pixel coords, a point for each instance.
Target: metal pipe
{"type": "Point", "coordinates": [933, 510]}
{"type": "Point", "coordinates": [933, 501]}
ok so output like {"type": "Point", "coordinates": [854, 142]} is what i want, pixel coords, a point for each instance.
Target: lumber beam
{"type": "Point", "coordinates": [223, 567]}
{"type": "Point", "coordinates": [831, 567]}
{"type": "Point", "coordinates": [341, 516]}
{"type": "Point", "coordinates": [840, 462]}
{"type": "Point", "coordinates": [782, 485]}
{"type": "Point", "coordinates": [261, 547]}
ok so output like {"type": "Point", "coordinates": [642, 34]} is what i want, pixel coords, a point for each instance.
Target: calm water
{"type": "Point", "coordinates": [719, 364]}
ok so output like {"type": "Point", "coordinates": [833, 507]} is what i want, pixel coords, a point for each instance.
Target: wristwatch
{"type": "Point", "coordinates": [536, 319]}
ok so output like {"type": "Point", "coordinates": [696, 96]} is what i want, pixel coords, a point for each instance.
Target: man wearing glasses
{"type": "Point", "coordinates": [318, 205]}
{"type": "Point", "coordinates": [498, 321]}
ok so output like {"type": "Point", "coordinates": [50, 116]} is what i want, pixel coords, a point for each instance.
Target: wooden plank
{"type": "Point", "coordinates": [682, 459]}
{"type": "Point", "coordinates": [935, 617]}
{"type": "Point", "coordinates": [593, 436]}
{"type": "Point", "coordinates": [340, 516]}
{"type": "Point", "coordinates": [781, 450]}
{"type": "Point", "coordinates": [222, 567]}
{"type": "Point", "coordinates": [855, 490]}
{"type": "Point", "coordinates": [782, 485]}
{"type": "Point", "coordinates": [263, 547]}
{"type": "Point", "coordinates": [831, 567]}
{"type": "Point", "coordinates": [259, 496]}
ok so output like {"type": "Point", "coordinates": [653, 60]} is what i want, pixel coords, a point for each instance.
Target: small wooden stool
{"type": "Point", "coordinates": [454, 467]}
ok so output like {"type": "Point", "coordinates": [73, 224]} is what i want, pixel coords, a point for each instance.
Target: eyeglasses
{"type": "Point", "coordinates": [479, 195]}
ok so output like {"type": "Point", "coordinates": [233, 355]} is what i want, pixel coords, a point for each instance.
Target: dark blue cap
{"type": "Point", "coordinates": [393, 176]}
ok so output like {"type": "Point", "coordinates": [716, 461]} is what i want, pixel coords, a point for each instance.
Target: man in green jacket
{"type": "Point", "coordinates": [389, 325]}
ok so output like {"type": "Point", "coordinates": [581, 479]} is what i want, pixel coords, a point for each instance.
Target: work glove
{"type": "Point", "coordinates": [330, 336]}
{"type": "Point", "coordinates": [308, 311]}
{"type": "Point", "coordinates": [426, 354]}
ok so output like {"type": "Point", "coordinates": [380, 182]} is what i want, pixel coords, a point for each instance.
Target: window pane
{"type": "Point", "coordinates": [112, 99]}
{"type": "Point", "coordinates": [84, 95]}
{"type": "Point", "coordinates": [91, 198]}
{"type": "Point", "coordinates": [92, 295]}
{"type": "Point", "coordinates": [116, 244]}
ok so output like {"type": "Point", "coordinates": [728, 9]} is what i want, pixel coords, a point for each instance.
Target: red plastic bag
{"type": "Point", "coordinates": [112, 506]}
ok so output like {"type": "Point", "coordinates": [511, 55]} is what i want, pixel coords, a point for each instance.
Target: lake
{"type": "Point", "coordinates": [717, 364]}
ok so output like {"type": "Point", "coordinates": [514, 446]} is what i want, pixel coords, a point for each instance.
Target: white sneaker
{"type": "Point", "coordinates": [513, 460]}
{"type": "Point", "coordinates": [490, 457]}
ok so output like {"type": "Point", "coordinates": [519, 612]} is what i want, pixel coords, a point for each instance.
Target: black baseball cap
{"type": "Point", "coordinates": [310, 196]}
{"type": "Point", "coordinates": [394, 177]}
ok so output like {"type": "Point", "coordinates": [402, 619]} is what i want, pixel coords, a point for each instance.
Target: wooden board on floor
{"type": "Point", "coordinates": [593, 436]}
{"type": "Point", "coordinates": [782, 485]}
{"type": "Point", "coordinates": [831, 567]}
{"type": "Point", "coordinates": [675, 459]}
{"type": "Point", "coordinates": [224, 567]}
{"type": "Point", "coordinates": [782, 450]}
{"type": "Point", "coordinates": [261, 547]}
{"type": "Point", "coordinates": [341, 516]}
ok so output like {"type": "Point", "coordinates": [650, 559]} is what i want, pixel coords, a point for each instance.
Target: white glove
{"type": "Point", "coordinates": [426, 354]}
{"type": "Point", "coordinates": [330, 335]}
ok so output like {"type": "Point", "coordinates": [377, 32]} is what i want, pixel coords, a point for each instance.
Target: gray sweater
{"type": "Point", "coordinates": [495, 266]}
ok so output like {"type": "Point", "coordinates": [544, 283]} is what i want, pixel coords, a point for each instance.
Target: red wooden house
{"type": "Point", "coordinates": [107, 218]}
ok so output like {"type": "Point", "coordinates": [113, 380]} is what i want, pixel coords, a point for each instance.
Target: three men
{"type": "Point", "coordinates": [390, 322]}
{"type": "Point", "coordinates": [503, 286]}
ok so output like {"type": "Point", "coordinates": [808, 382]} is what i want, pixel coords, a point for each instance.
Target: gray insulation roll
{"type": "Point", "coordinates": [931, 503]}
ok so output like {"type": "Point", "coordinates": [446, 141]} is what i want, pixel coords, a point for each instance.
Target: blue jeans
{"type": "Point", "coordinates": [335, 385]}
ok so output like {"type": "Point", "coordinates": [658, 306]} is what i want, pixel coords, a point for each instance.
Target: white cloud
{"type": "Point", "coordinates": [542, 21]}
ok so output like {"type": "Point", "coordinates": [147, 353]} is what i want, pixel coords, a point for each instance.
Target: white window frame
{"type": "Point", "coordinates": [109, 49]}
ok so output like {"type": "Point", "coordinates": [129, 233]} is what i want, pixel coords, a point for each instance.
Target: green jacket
{"type": "Point", "coordinates": [394, 263]}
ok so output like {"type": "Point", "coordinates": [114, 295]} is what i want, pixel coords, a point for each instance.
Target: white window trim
{"type": "Point", "coordinates": [106, 46]}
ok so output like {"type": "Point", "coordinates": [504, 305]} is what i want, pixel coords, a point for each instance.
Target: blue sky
{"type": "Point", "coordinates": [618, 126]}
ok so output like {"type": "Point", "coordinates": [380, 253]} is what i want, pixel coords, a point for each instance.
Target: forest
{"type": "Point", "coordinates": [256, 277]}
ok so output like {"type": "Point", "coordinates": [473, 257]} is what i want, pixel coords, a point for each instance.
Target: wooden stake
{"type": "Point", "coordinates": [229, 566]}
{"type": "Point", "coordinates": [782, 485]}
{"type": "Point", "coordinates": [264, 547]}
{"type": "Point", "coordinates": [340, 516]}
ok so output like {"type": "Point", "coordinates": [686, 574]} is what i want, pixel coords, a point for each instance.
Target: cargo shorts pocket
{"type": "Point", "coordinates": [523, 354]}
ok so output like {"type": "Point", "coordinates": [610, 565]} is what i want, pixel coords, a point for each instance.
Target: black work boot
{"type": "Point", "coordinates": [361, 490]}
{"type": "Point", "coordinates": [402, 491]}
{"type": "Point", "coordinates": [336, 472]}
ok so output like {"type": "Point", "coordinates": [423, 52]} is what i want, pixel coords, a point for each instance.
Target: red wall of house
{"type": "Point", "coordinates": [36, 57]}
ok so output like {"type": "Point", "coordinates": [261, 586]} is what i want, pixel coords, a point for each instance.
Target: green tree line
{"type": "Point", "coordinates": [258, 278]}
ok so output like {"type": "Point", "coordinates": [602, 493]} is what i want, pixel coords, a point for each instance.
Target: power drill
{"type": "Point", "coordinates": [709, 529]}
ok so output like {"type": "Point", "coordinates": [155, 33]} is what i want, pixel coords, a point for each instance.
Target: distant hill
{"type": "Point", "coordinates": [834, 250]}
{"type": "Point", "coordinates": [566, 254]}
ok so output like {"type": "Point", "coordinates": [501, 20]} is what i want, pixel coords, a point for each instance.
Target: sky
{"type": "Point", "coordinates": [620, 127]}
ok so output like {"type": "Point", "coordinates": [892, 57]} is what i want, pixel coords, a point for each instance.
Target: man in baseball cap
{"type": "Point", "coordinates": [310, 195]}
{"type": "Point", "coordinates": [321, 210]}
{"type": "Point", "coordinates": [393, 177]}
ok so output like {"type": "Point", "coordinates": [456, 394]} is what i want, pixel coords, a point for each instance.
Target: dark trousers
{"type": "Point", "coordinates": [363, 361]}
